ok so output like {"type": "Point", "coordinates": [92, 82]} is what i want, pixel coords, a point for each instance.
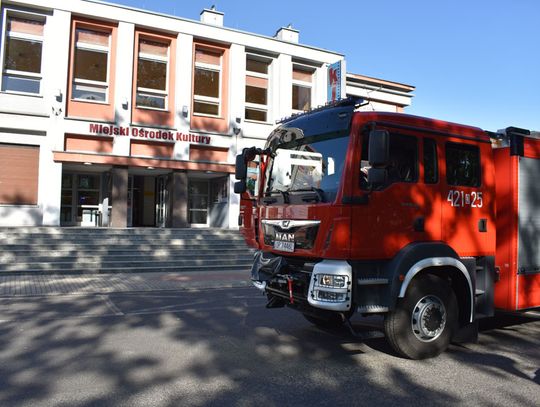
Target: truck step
{"type": "Point", "coordinates": [372, 309]}
{"type": "Point", "coordinates": [372, 281]}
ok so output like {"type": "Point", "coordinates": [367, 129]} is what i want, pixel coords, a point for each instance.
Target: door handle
{"type": "Point", "coordinates": [419, 224]}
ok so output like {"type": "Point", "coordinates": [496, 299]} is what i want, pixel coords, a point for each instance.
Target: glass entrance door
{"type": "Point", "coordinates": [198, 202]}
{"type": "Point", "coordinates": [161, 201]}
{"type": "Point", "coordinates": [80, 199]}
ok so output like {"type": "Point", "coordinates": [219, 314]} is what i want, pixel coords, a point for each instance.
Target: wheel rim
{"type": "Point", "coordinates": [428, 318]}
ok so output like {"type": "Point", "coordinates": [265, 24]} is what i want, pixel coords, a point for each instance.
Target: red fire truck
{"type": "Point", "coordinates": [431, 224]}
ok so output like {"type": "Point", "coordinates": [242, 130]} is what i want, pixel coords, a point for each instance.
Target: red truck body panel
{"type": "Point", "coordinates": [517, 289]}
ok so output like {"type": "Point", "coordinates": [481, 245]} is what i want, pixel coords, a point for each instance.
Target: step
{"type": "Point", "coordinates": [43, 255]}
{"type": "Point", "coordinates": [123, 245]}
{"type": "Point", "coordinates": [117, 238]}
{"type": "Point", "coordinates": [22, 266]}
{"type": "Point", "coordinates": [140, 269]}
{"type": "Point", "coordinates": [6, 232]}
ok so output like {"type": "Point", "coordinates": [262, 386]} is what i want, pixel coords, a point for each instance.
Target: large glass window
{"type": "Point", "coordinates": [256, 89]}
{"type": "Point", "coordinates": [22, 54]}
{"type": "Point", "coordinates": [91, 65]}
{"type": "Point", "coordinates": [301, 89]}
{"type": "Point", "coordinates": [152, 68]}
{"type": "Point", "coordinates": [462, 165]}
{"type": "Point", "coordinates": [207, 82]}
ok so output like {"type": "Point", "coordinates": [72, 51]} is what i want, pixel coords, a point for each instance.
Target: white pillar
{"type": "Point", "coordinates": [234, 204]}
{"type": "Point", "coordinates": [124, 83]}
{"type": "Point", "coordinates": [283, 83]}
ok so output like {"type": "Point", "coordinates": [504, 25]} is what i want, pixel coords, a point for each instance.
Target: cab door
{"type": "Point", "coordinates": [406, 208]}
{"type": "Point", "coordinates": [468, 207]}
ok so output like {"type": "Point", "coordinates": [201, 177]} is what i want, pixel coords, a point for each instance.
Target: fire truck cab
{"type": "Point", "coordinates": [429, 223]}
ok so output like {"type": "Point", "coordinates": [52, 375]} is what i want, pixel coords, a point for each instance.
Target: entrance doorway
{"type": "Point", "coordinates": [84, 199]}
{"type": "Point", "coordinates": [208, 202]}
{"type": "Point", "coordinates": [162, 199]}
{"type": "Point", "coordinates": [198, 202]}
{"type": "Point", "coordinates": [148, 201]}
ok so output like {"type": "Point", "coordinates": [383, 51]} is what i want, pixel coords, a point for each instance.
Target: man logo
{"type": "Point", "coordinates": [285, 224]}
{"type": "Point", "coordinates": [285, 237]}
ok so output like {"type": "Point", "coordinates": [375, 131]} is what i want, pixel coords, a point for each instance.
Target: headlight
{"type": "Point", "coordinates": [332, 281]}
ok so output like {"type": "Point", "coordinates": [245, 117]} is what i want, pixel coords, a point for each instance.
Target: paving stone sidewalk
{"type": "Point", "coordinates": [27, 285]}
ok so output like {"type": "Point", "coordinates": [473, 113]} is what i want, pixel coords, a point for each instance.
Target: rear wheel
{"type": "Point", "coordinates": [422, 323]}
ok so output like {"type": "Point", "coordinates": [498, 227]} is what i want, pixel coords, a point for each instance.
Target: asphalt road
{"type": "Point", "coordinates": [222, 347]}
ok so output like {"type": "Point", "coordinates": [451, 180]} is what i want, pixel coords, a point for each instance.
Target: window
{"type": "Point", "coordinates": [19, 172]}
{"type": "Point", "coordinates": [431, 173]}
{"type": "Point", "coordinates": [402, 163]}
{"type": "Point", "coordinates": [403, 160]}
{"type": "Point", "coordinates": [22, 54]}
{"type": "Point", "coordinates": [91, 65]}
{"type": "Point", "coordinates": [301, 89]}
{"type": "Point", "coordinates": [207, 82]}
{"type": "Point", "coordinates": [152, 68]}
{"type": "Point", "coordinates": [256, 89]}
{"type": "Point", "coordinates": [462, 165]}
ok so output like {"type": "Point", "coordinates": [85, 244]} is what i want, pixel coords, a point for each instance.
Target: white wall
{"type": "Point", "coordinates": [46, 113]}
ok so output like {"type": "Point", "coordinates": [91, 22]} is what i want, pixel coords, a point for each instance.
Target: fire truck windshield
{"type": "Point", "coordinates": [304, 164]}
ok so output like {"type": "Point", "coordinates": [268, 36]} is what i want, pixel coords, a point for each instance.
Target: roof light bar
{"type": "Point", "coordinates": [349, 101]}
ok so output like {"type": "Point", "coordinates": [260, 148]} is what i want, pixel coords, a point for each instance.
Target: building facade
{"type": "Point", "coordinates": [113, 116]}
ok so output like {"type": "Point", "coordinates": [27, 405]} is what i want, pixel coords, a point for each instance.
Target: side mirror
{"type": "Point", "coordinates": [379, 142]}
{"type": "Point", "coordinates": [240, 187]}
{"type": "Point", "coordinates": [241, 167]}
{"type": "Point", "coordinates": [377, 176]}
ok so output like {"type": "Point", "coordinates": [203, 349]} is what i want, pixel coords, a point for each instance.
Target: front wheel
{"type": "Point", "coordinates": [422, 323]}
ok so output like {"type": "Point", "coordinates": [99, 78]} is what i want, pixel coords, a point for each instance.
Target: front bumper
{"type": "Point", "coordinates": [300, 282]}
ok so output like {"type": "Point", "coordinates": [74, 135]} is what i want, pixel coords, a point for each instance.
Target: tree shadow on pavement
{"type": "Point", "coordinates": [220, 347]}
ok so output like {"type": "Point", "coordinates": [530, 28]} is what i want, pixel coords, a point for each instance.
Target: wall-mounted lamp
{"type": "Point", "coordinates": [58, 94]}
{"type": "Point", "coordinates": [185, 111]}
{"type": "Point", "coordinates": [150, 168]}
{"type": "Point", "coordinates": [238, 126]}
{"type": "Point", "coordinates": [125, 103]}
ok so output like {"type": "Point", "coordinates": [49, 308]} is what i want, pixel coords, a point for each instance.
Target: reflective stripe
{"type": "Point", "coordinates": [438, 262]}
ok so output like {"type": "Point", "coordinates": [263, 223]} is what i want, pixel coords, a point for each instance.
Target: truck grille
{"type": "Point", "coordinates": [304, 232]}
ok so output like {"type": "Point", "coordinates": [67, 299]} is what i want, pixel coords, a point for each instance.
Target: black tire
{"type": "Point", "coordinates": [422, 323]}
{"type": "Point", "coordinates": [330, 320]}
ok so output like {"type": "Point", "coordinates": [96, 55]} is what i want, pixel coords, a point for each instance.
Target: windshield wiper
{"type": "Point", "coordinates": [285, 194]}
{"type": "Point", "coordinates": [319, 192]}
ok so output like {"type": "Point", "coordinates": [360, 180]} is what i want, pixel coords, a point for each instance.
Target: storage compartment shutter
{"type": "Point", "coordinates": [529, 216]}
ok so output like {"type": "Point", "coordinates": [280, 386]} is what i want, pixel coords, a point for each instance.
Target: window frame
{"type": "Point", "coordinates": [150, 91]}
{"type": "Point", "coordinates": [256, 106]}
{"type": "Point", "coordinates": [212, 68]}
{"type": "Point", "coordinates": [303, 84]}
{"type": "Point", "coordinates": [8, 12]}
{"type": "Point", "coordinates": [94, 48]}
{"type": "Point", "coordinates": [364, 164]}
{"type": "Point", "coordinates": [433, 143]}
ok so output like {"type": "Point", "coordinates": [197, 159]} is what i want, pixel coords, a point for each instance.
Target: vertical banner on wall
{"type": "Point", "coordinates": [334, 81]}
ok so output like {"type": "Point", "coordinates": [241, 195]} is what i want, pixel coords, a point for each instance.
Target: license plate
{"type": "Point", "coordinates": [284, 246]}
